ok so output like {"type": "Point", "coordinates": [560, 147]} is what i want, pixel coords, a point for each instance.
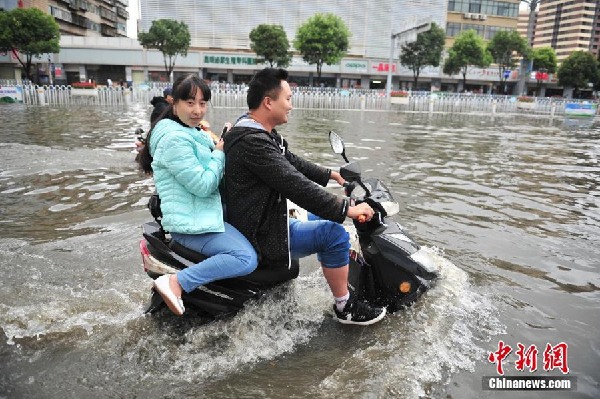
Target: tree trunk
{"type": "Point", "coordinates": [319, 67]}
{"type": "Point", "coordinates": [28, 65]}
{"type": "Point", "coordinates": [416, 73]}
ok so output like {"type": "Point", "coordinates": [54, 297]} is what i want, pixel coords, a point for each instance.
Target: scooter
{"type": "Point", "coordinates": [387, 267]}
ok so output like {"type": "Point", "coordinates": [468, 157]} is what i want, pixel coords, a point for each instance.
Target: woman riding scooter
{"type": "Point", "coordinates": [187, 167]}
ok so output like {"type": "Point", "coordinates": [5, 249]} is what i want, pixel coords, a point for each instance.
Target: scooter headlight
{"type": "Point", "coordinates": [391, 208]}
{"type": "Point", "coordinates": [425, 260]}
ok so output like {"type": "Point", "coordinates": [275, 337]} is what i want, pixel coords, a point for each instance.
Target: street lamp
{"type": "Point", "coordinates": [417, 27]}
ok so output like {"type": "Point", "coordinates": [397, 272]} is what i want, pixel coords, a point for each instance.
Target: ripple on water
{"type": "Point", "coordinates": [61, 189]}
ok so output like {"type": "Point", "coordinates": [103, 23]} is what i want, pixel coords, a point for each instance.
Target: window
{"type": "Point", "coordinates": [502, 10]}
{"type": "Point", "coordinates": [452, 29]}
{"type": "Point", "coordinates": [476, 28]}
{"type": "Point", "coordinates": [490, 31]}
{"type": "Point", "coordinates": [475, 7]}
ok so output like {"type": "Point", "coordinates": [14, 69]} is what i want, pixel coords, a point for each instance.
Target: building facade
{"type": "Point", "coordinates": [226, 25]}
{"type": "Point", "coordinates": [486, 17]}
{"type": "Point", "coordinates": [220, 44]}
{"type": "Point", "coordinates": [568, 26]}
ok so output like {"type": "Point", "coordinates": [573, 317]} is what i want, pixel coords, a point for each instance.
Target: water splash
{"type": "Point", "coordinates": [439, 335]}
{"type": "Point", "coordinates": [278, 323]}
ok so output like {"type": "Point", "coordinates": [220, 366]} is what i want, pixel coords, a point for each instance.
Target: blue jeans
{"type": "Point", "coordinates": [329, 240]}
{"type": "Point", "coordinates": [230, 255]}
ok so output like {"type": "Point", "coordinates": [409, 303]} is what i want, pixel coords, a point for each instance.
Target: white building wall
{"type": "Point", "coordinates": [218, 24]}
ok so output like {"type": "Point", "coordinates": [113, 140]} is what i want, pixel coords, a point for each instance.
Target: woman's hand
{"type": "Point", "coordinates": [219, 145]}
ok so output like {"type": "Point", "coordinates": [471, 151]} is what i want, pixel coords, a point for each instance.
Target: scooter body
{"type": "Point", "coordinates": [387, 266]}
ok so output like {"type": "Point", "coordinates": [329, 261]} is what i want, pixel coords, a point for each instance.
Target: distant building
{"type": "Point", "coordinates": [81, 17]}
{"type": "Point", "coordinates": [486, 17]}
{"type": "Point", "coordinates": [226, 25]}
{"type": "Point", "coordinates": [568, 26]}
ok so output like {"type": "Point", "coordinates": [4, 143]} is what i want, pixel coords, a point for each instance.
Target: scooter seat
{"type": "Point", "coordinates": [262, 276]}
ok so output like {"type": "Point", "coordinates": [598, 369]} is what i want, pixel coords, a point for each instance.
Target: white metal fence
{"type": "Point", "coordinates": [307, 98]}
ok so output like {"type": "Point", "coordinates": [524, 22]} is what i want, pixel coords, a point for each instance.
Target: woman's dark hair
{"type": "Point", "coordinates": [265, 83]}
{"type": "Point", "coordinates": [184, 88]}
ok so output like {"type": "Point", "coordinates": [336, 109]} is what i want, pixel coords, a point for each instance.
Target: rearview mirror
{"type": "Point", "coordinates": [337, 144]}
{"type": "Point", "coordinates": [350, 171]}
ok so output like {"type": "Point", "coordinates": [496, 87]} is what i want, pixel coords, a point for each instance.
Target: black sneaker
{"type": "Point", "coordinates": [359, 313]}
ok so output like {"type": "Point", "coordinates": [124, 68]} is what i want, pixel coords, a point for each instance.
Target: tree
{"type": "Point", "coordinates": [544, 61]}
{"type": "Point", "coordinates": [323, 38]}
{"type": "Point", "coordinates": [505, 47]}
{"type": "Point", "coordinates": [168, 36]}
{"type": "Point", "coordinates": [426, 50]}
{"type": "Point", "coordinates": [28, 32]}
{"type": "Point", "coordinates": [578, 69]}
{"type": "Point", "coordinates": [270, 43]}
{"type": "Point", "coordinates": [468, 49]}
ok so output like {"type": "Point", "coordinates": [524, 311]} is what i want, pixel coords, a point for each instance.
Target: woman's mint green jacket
{"type": "Point", "coordinates": [187, 171]}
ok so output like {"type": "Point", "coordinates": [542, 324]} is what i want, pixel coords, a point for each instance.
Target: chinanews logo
{"type": "Point", "coordinates": [553, 357]}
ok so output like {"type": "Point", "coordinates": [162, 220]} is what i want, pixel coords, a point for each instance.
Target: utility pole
{"type": "Point", "coordinates": [530, 27]}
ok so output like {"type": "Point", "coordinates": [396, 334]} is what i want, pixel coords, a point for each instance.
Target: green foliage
{"type": "Point", "coordinates": [28, 32]}
{"type": "Point", "coordinates": [323, 38]}
{"type": "Point", "coordinates": [168, 36]}
{"type": "Point", "coordinates": [468, 49]}
{"type": "Point", "coordinates": [505, 47]}
{"type": "Point", "coordinates": [579, 69]}
{"type": "Point", "coordinates": [544, 58]}
{"type": "Point", "coordinates": [426, 50]}
{"type": "Point", "coordinates": [270, 43]}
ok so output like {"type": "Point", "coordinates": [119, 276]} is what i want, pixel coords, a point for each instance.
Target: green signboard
{"type": "Point", "coordinates": [229, 60]}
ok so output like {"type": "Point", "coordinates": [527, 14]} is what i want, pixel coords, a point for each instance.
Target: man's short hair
{"type": "Point", "coordinates": [265, 83]}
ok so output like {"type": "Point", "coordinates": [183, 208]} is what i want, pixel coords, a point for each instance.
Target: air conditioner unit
{"type": "Point", "coordinates": [482, 17]}
{"type": "Point", "coordinates": [467, 15]}
{"type": "Point", "coordinates": [474, 16]}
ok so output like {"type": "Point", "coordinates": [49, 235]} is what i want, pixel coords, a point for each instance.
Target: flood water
{"type": "Point", "coordinates": [508, 207]}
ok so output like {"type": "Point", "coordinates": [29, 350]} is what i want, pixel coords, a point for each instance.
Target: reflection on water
{"type": "Point", "coordinates": [509, 208]}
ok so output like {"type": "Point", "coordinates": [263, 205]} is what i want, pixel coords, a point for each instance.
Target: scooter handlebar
{"type": "Point", "coordinates": [348, 188]}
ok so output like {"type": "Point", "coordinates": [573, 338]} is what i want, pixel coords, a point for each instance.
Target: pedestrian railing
{"type": "Point", "coordinates": [309, 98]}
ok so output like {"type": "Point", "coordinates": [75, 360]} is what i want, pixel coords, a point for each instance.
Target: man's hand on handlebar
{"type": "Point", "coordinates": [337, 177]}
{"type": "Point", "coordinates": [361, 212]}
